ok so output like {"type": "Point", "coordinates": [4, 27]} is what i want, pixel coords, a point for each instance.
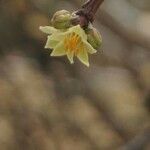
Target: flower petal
{"type": "Point", "coordinates": [51, 43]}
{"type": "Point", "coordinates": [70, 57]}
{"type": "Point", "coordinates": [83, 57]}
{"type": "Point", "coordinates": [89, 47]}
{"type": "Point", "coordinates": [78, 30]}
{"type": "Point", "coordinates": [48, 29]}
{"type": "Point", "coordinates": [59, 50]}
{"type": "Point", "coordinates": [59, 36]}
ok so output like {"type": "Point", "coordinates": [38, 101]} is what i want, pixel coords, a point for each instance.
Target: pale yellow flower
{"type": "Point", "coordinates": [71, 42]}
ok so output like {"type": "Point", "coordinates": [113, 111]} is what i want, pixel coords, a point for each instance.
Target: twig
{"type": "Point", "coordinates": [87, 13]}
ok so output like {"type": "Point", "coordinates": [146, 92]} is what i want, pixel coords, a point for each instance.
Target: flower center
{"type": "Point", "coordinates": [72, 43]}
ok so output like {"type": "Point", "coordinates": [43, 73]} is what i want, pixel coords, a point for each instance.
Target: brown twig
{"type": "Point", "coordinates": [87, 13]}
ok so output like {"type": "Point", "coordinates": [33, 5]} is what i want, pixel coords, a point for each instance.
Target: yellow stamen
{"type": "Point", "coordinates": [72, 43]}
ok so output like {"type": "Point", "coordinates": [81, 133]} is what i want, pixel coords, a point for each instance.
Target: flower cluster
{"type": "Point", "coordinates": [69, 40]}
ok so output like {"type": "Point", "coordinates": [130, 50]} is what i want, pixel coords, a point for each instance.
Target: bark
{"type": "Point", "coordinates": [87, 13]}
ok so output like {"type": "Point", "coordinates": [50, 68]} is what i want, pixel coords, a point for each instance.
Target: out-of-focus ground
{"type": "Point", "coordinates": [48, 104]}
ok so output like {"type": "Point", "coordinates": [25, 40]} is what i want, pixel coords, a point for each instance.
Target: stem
{"type": "Point", "coordinates": [90, 8]}
{"type": "Point", "coordinates": [87, 13]}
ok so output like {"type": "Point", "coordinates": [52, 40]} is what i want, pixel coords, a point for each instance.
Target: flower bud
{"type": "Point", "coordinates": [94, 37]}
{"type": "Point", "coordinates": [61, 19]}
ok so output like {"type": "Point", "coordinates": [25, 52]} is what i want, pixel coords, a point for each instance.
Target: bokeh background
{"type": "Point", "coordinates": [48, 104]}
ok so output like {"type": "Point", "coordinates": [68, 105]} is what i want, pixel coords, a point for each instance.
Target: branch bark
{"type": "Point", "coordinates": [87, 13]}
{"type": "Point", "coordinates": [90, 8]}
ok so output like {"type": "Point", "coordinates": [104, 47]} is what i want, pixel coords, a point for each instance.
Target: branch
{"type": "Point", "coordinates": [90, 8]}
{"type": "Point", "coordinates": [87, 13]}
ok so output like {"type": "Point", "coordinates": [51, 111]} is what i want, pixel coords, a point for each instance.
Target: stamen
{"type": "Point", "coordinates": [72, 43]}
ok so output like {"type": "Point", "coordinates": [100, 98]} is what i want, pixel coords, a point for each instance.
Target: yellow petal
{"type": "Point", "coordinates": [51, 43]}
{"type": "Point", "coordinates": [79, 31]}
{"type": "Point", "coordinates": [70, 57]}
{"type": "Point", "coordinates": [48, 29]}
{"type": "Point", "coordinates": [59, 50]}
{"type": "Point", "coordinates": [89, 47]}
{"type": "Point", "coordinates": [83, 57]}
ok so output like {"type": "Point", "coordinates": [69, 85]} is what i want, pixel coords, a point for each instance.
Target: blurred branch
{"type": "Point", "coordinates": [139, 142]}
{"type": "Point", "coordinates": [128, 34]}
{"type": "Point", "coordinates": [94, 100]}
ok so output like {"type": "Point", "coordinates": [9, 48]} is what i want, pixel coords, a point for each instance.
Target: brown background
{"type": "Point", "coordinates": [48, 104]}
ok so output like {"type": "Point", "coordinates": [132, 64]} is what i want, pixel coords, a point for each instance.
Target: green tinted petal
{"type": "Point", "coordinates": [59, 50]}
{"type": "Point", "coordinates": [51, 43]}
{"type": "Point", "coordinates": [89, 48]}
{"type": "Point", "coordinates": [48, 29]}
{"type": "Point", "coordinates": [58, 36]}
{"type": "Point", "coordinates": [78, 30]}
{"type": "Point", "coordinates": [83, 57]}
{"type": "Point", "coordinates": [70, 57]}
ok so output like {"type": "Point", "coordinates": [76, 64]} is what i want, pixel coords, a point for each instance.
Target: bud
{"type": "Point", "coordinates": [61, 19]}
{"type": "Point", "coordinates": [94, 37]}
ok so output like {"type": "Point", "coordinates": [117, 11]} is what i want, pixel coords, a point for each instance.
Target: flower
{"type": "Point", "coordinates": [71, 42]}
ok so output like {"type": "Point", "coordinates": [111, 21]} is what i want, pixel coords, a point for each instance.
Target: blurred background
{"type": "Point", "coordinates": [48, 104]}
